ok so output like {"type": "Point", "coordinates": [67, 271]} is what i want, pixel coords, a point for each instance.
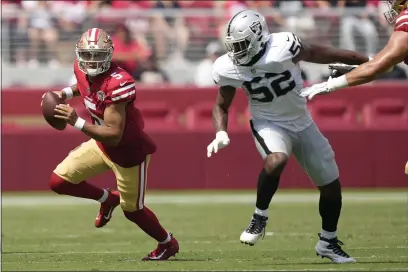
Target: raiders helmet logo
{"type": "Point", "coordinates": [256, 27]}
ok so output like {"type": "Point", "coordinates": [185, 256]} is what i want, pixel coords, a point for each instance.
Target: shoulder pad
{"type": "Point", "coordinates": [225, 73]}
{"type": "Point", "coordinates": [285, 46]}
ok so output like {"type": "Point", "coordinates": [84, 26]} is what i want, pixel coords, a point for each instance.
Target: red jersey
{"type": "Point", "coordinates": [401, 24]}
{"type": "Point", "coordinates": [112, 87]}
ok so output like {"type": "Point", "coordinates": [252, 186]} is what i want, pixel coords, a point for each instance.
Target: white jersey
{"type": "Point", "coordinates": [272, 83]}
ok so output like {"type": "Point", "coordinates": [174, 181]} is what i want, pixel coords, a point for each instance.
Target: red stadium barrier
{"type": "Point", "coordinates": [18, 101]}
{"type": "Point", "coordinates": [368, 155]}
{"type": "Point", "coordinates": [365, 158]}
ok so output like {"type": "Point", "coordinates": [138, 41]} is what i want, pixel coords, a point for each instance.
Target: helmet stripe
{"type": "Point", "coordinates": [93, 36]}
{"type": "Point", "coordinates": [232, 19]}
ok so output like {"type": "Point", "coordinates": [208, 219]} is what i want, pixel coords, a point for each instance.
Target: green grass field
{"type": "Point", "coordinates": [50, 232]}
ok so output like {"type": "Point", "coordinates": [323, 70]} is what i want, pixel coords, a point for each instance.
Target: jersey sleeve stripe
{"type": "Point", "coordinates": [404, 23]}
{"type": "Point", "coordinates": [116, 98]}
{"type": "Point", "coordinates": [398, 27]}
{"type": "Point", "coordinates": [116, 92]}
{"type": "Point", "coordinates": [402, 18]}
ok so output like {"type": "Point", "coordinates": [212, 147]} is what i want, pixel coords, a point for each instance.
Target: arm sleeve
{"type": "Point", "coordinates": [402, 23]}
{"type": "Point", "coordinates": [121, 94]}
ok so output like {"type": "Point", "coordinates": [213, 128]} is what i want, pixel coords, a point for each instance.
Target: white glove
{"type": "Point", "coordinates": [311, 91]}
{"type": "Point", "coordinates": [331, 85]}
{"type": "Point", "coordinates": [221, 140]}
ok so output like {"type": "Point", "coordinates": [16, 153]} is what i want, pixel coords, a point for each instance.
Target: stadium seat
{"type": "Point", "coordinates": [199, 117]}
{"type": "Point", "coordinates": [386, 113]}
{"type": "Point", "coordinates": [158, 115]}
{"type": "Point", "coordinates": [334, 114]}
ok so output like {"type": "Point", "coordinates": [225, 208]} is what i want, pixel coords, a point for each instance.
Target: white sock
{"type": "Point", "coordinates": [167, 240]}
{"type": "Point", "coordinates": [104, 197]}
{"type": "Point", "coordinates": [329, 235]}
{"type": "Point", "coordinates": [261, 212]}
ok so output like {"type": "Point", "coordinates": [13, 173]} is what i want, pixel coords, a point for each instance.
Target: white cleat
{"type": "Point", "coordinates": [332, 250]}
{"type": "Point", "coordinates": [255, 230]}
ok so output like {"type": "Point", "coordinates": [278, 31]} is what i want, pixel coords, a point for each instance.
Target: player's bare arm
{"type": "Point", "coordinates": [393, 53]}
{"type": "Point", "coordinates": [220, 118]}
{"type": "Point", "coordinates": [325, 54]}
{"type": "Point", "coordinates": [109, 133]}
{"type": "Point", "coordinates": [222, 103]}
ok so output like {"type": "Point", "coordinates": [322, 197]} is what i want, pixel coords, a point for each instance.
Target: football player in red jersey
{"type": "Point", "coordinates": [118, 142]}
{"type": "Point", "coordinates": [396, 51]}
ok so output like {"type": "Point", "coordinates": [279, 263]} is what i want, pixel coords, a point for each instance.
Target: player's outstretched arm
{"type": "Point", "coordinates": [326, 54]}
{"type": "Point", "coordinates": [393, 53]}
{"type": "Point", "coordinates": [222, 103]}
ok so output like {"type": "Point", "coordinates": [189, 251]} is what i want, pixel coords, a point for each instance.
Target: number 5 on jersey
{"type": "Point", "coordinates": [92, 106]}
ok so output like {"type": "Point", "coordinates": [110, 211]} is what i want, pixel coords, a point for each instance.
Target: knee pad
{"type": "Point", "coordinates": [275, 163]}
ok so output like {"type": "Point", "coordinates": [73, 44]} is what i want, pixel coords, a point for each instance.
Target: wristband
{"type": "Point", "coordinates": [79, 124]}
{"type": "Point", "coordinates": [337, 83]}
{"type": "Point", "coordinates": [221, 134]}
{"type": "Point", "coordinates": [69, 93]}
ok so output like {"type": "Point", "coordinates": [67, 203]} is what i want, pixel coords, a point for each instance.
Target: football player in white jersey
{"type": "Point", "coordinates": [266, 66]}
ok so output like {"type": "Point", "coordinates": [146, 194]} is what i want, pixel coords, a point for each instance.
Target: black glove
{"type": "Point", "coordinates": [339, 69]}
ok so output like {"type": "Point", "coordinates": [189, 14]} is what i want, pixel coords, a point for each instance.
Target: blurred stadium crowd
{"type": "Point", "coordinates": [176, 41]}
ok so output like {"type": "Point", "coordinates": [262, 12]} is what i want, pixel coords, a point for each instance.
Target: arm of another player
{"type": "Point", "coordinates": [394, 53]}
{"type": "Point", "coordinates": [223, 101]}
{"type": "Point", "coordinates": [109, 133]}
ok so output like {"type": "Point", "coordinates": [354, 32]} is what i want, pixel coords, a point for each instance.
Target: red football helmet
{"type": "Point", "coordinates": [94, 51]}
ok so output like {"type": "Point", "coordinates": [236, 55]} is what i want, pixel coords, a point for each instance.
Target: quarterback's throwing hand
{"type": "Point", "coordinates": [221, 140]}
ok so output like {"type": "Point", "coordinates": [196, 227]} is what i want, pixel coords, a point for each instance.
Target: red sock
{"type": "Point", "coordinates": [148, 222]}
{"type": "Point", "coordinates": [83, 189]}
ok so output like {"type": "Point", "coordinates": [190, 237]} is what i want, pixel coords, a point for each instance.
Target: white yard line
{"type": "Point", "coordinates": [287, 198]}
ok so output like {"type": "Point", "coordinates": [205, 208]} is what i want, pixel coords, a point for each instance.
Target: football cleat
{"type": "Point", "coordinates": [107, 207]}
{"type": "Point", "coordinates": [164, 251]}
{"type": "Point", "coordinates": [331, 249]}
{"type": "Point", "coordinates": [255, 230]}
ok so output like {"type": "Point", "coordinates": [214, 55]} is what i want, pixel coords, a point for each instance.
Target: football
{"type": "Point", "coordinates": [49, 102]}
